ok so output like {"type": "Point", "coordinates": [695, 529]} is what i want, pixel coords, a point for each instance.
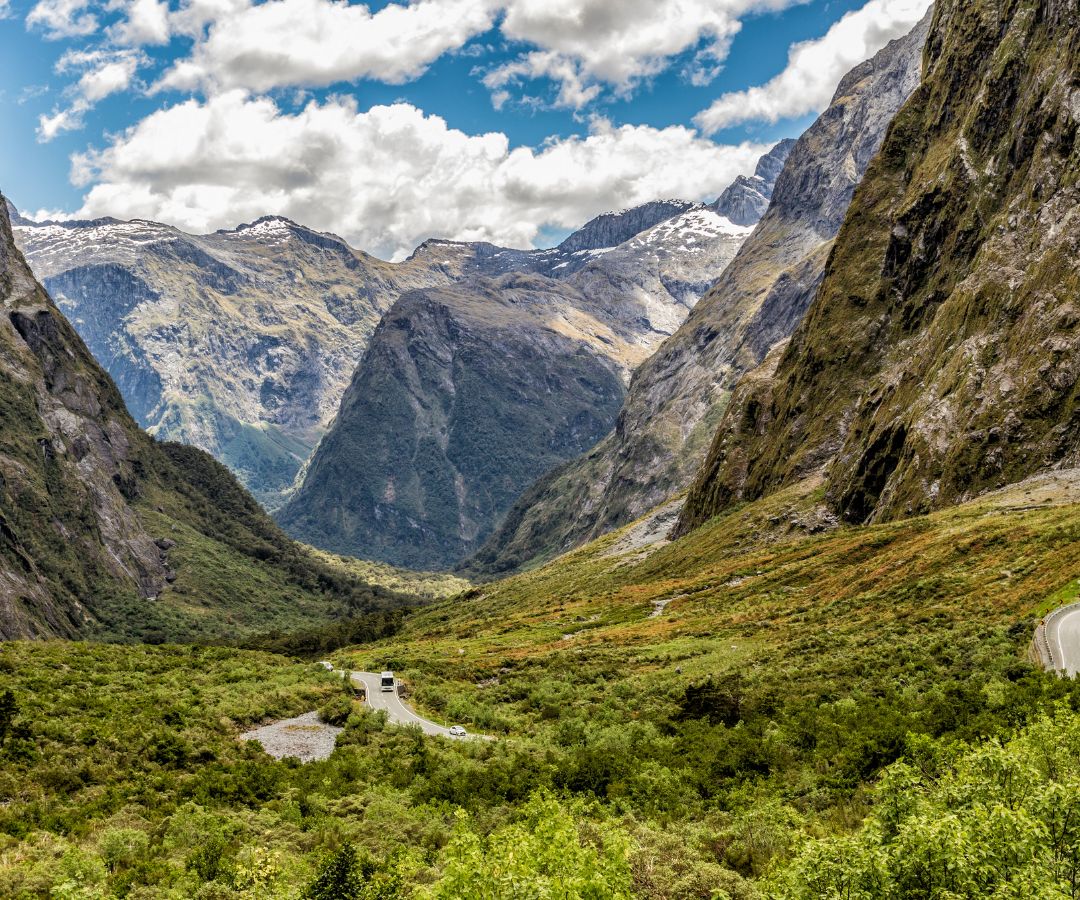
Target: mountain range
{"type": "Point", "coordinates": [242, 343]}
{"type": "Point", "coordinates": [468, 393]}
{"type": "Point", "coordinates": [678, 395]}
{"type": "Point", "coordinates": [239, 342]}
{"type": "Point", "coordinates": [833, 655]}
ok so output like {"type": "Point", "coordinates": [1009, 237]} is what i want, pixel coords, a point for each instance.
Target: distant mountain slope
{"type": "Point", "coordinates": [678, 396]}
{"type": "Point", "coordinates": [465, 393]}
{"type": "Point", "coordinates": [102, 530]}
{"type": "Point", "coordinates": [242, 342]}
{"type": "Point", "coordinates": [239, 342]}
{"type": "Point", "coordinates": [940, 357]}
{"type": "Point", "coordinates": [469, 393]}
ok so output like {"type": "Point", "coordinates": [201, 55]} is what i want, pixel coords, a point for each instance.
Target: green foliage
{"type": "Point", "coordinates": [230, 515]}
{"type": "Point", "coordinates": [320, 641]}
{"type": "Point", "coordinates": [337, 710]}
{"type": "Point", "coordinates": [339, 878]}
{"type": "Point", "coordinates": [9, 709]}
{"type": "Point", "coordinates": [993, 820]}
{"type": "Point", "coordinates": [344, 875]}
{"type": "Point", "coordinates": [787, 673]}
{"type": "Point", "coordinates": [545, 854]}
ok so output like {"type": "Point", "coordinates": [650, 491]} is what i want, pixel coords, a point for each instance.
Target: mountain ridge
{"type": "Point", "coordinates": [677, 397]}
{"type": "Point", "coordinates": [938, 359]}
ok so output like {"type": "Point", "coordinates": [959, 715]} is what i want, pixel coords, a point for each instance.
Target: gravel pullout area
{"type": "Point", "coordinates": [304, 737]}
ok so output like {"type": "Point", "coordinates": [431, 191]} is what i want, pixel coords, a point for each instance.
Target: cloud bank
{"type": "Point", "coordinates": [389, 177]}
{"type": "Point", "coordinates": [815, 67]}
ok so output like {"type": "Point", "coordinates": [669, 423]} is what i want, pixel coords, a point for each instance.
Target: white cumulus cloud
{"type": "Point", "coordinates": [63, 18]}
{"type": "Point", "coordinates": [815, 67]}
{"type": "Point", "coordinates": [582, 46]}
{"type": "Point", "coordinates": [145, 22]}
{"type": "Point", "coordinates": [103, 73]}
{"type": "Point", "coordinates": [53, 125]}
{"type": "Point", "coordinates": [587, 43]}
{"type": "Point", "coordinates": [390, 177]}
{"type": "Point", "coordinates": [283, 43]}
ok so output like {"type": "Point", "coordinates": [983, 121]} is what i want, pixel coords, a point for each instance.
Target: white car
{"type": "Point", "coordinates": [457, 731]}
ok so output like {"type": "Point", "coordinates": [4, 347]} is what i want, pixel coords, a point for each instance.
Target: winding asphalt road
{"type": "Point", "coordinates": [397, 711]}
{"type": "Point", "coordinates": [1063, 636]}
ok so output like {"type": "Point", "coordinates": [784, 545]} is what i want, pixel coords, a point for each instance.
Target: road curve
{"type": "Point", "coordinates": [1063, 638]}
{"type": "Point", "coordinates": [396, 709]}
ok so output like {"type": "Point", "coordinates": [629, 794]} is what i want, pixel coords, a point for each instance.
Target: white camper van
{"type": "Point", "coordinates": [387, 681]}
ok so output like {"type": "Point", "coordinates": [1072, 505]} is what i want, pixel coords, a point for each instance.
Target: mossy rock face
{"type": "Point", "coordinates": [940, 356]}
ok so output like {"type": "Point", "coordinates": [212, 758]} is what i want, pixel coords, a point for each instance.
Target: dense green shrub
{"type": "Point", "coordinates": [994, 820]}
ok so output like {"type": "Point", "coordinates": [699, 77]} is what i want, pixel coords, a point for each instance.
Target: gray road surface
{"type": "Point", "coordinates": [397, 711]}
{"type": "Point", "coordinates": [1063, 636]}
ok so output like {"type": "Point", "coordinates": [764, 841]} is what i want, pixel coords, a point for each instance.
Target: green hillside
{"type": "Point", "coordinates": [721, 745]}
{"type": "Point", "coordinates": [938, 359]}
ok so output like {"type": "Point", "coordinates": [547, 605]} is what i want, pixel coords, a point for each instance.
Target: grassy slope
{"type": "Point", "coordinates": [428, 585]}
{"type": "Point", "coordinates": [237, 573]}
{"type": "Point", "coordinates": [752, 592]}
{"type": "Point", "coordinates": [787, 669]}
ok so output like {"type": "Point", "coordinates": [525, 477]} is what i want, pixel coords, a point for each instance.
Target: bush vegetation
{"type": "Point", "coordinates": [807, 716]}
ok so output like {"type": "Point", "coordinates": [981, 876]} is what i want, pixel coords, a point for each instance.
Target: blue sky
{"type": "Point", "coordinates": [510, 120]}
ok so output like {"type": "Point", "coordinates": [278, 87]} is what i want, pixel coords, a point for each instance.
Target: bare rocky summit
{"type": "Point", "coordinates": [746, 199]}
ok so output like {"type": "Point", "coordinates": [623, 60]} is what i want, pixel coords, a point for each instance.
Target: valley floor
{"type": "Point", "coordinates": [733, 743]}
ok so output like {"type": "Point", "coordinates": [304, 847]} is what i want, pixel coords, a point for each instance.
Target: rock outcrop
{"type": "Point", "coordinates": [612, 229]}
{"type": "Point", "coordinates": [746, 199]}
{"type": "Point", "coordinates": [940, 357]}
{"type": "Point", "coordinates": [677, 397]}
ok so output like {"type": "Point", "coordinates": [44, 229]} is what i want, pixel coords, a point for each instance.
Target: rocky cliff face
{"type": "Point", "coordinates": [940, 357]}
{"type": "Point", "coordinates": [469, 393]}
{"type": "Point", "coordinates": [99, 525]}
{"type": "Point", "coordinates": [677, 397]}
{"type": "Point", "coordinates": [747, 198]}
{"type": "Point", "coordinates": [240, 342]}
